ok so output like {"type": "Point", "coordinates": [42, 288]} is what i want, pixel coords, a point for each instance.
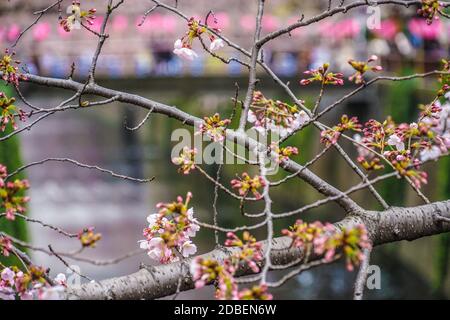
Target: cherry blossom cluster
{"type": "Point", "coordinates": [183, 46]}
{"type": "Point", "coordinates": [170, 230]}
{"type": "Point", "coordinates": [186, 160]}
{"type": "Point", "coordinates": [323, 76]}
{"type": "Point", "coordinates": [222, 274]}
{"type": "Point", "coordinates": [88, 237]}
{"type": "Point", "coordinates": [388, 140]}
{"type": "Point", "coordinates": [77, 17]}
{"type": "Point", "coordinates": [8, 112]}
{"type": "Point", "coordinates": [11, 199]}
{"type": "Point", "coordinates": [214, 127]}
{"type": "Point", "coordinates": [284, 153]}
{"type": "Point", "coordinates": [277, 116]}
{"type": "Point", "coordinates": [331, 136]}
{"type": "Point", "coordinates": [430, 10]}
{"type": "Point", "coordinates": [361, 67]}
{"type": "Point", "coordinates": [246, 184]}
{"type": "Point", "coordinates": [5, 246]}
{"type": "Point", "coordinates": [30, 285]}
{"type": "Point", "coordinates": [9, 69]}
{"type": "Point", "coordinates": [326, 240]}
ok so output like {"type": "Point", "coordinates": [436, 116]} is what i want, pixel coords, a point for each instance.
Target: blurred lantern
{"type": "Point", "coordinates": [41, 31]}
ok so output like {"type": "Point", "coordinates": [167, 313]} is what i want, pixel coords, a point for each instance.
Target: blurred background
{"type": "Point", "coordinates": [140, 60]}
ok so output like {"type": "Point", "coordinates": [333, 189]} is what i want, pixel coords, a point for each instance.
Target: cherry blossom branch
{"type": "Point", "coordinates": [216, 34]}
{"type": "Point", "coordinates": [144, 17]}
{"type": "Point", "coordinates": [214, 205]}
{"type": "Point", "coordinates": [392, 225]}
{"type": "Point", "coordinates": [81, 165]}
{"type": "Point", "coordinates": [317, 124]}
{"type": "Point", "coordinates": [30, 125]}
{"type": "Point", "coordinates": [224, 60]}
